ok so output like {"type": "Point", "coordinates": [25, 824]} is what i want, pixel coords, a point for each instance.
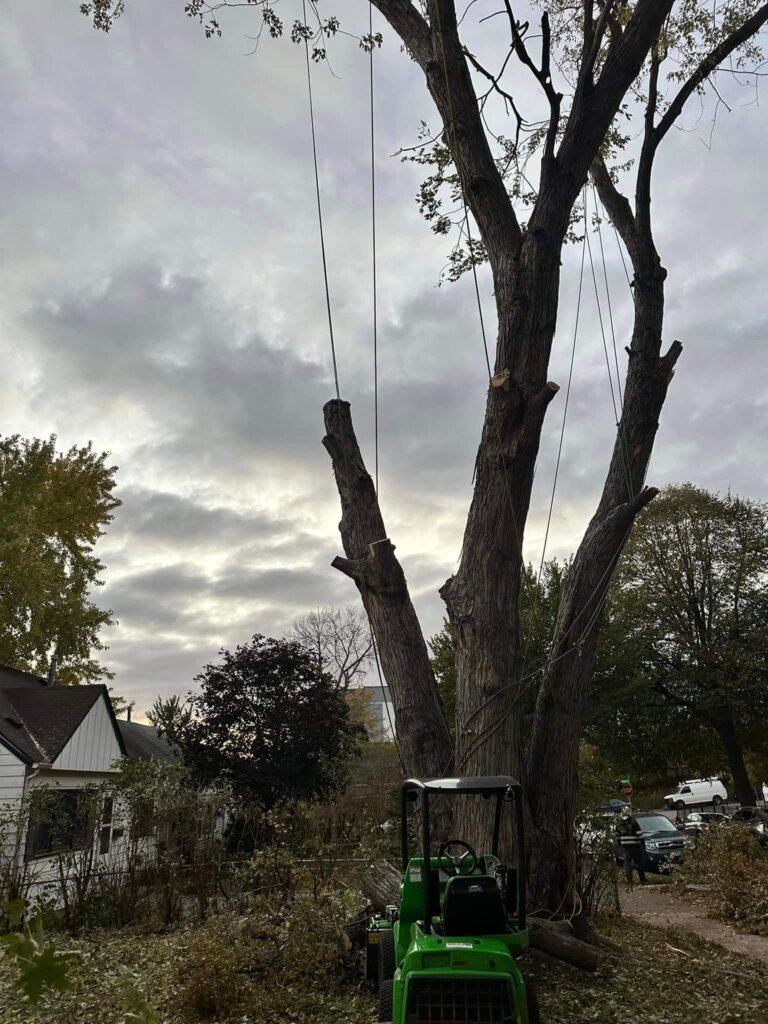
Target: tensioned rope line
{"type": "Point", "coordinates": [319, 207]}
{"type": "Point", "coordinates": [375, 646]}
{"type": "Point", "coordinates": [616, 409]}
{"type": "Point", "coordinates": [567, 393]}
{"type": "Point", "coordinates": [621, 427]}
{"type": "Point", "coordinates": [375, 291]}
{"type": "Point", "coordinates": [608, 296]}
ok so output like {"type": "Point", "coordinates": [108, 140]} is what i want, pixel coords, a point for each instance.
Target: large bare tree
{"type": "Point", "coordinates": [597, 65]}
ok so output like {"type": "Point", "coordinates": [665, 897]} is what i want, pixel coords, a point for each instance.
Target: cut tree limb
{"type": "Point", "coordinates": [422, 733]}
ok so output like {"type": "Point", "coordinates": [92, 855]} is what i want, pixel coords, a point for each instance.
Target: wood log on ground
{"type": "Point", "coordinates": [381, 885]}
{"type": "Point", "coordinates": [547, 937]}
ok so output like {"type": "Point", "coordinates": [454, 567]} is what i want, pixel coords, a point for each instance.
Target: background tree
{"type": "Point", "coordinates": [339, 639]}
{"type": "Point", "coordinates": [53, 509]}
{"type": "Point", "coordinates": [605, 73]}
{"type": "Point", "coordinates": [271, 725]}
{"type": "Point", "coordinates": [171, 716]}
{"type": "Point", "coordinates": [686, 646]}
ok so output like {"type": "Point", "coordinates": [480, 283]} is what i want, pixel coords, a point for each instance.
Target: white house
{"type": "Point", "coordinates": [65, 738]}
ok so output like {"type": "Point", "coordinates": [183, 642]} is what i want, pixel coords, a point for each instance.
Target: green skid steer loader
{"type": "Point", "coordinates": [446, 955]}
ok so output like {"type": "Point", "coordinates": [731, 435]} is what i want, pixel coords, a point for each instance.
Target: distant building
{"type": "Point", "coordinates": [382, 712]}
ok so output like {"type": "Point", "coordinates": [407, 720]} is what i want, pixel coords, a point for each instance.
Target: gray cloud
{"type": "Point", "coordinates": [162, 295]}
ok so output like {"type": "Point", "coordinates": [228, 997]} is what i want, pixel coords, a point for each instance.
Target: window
{"type": "Point", "coordinates": [60, 823]}
{"type": "Point", "coordinates": [686, 789]}
{"type": "Point", "coordinates": [105, 830]}
{"type": "Point", "coordinates": [143, 819]}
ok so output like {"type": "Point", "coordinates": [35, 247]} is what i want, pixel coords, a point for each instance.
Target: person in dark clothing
{"type": "Point", "coordinates": [630, 837]}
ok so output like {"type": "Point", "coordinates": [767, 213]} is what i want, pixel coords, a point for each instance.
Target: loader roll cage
{"type": "Point", "coordinates": [505, 790]}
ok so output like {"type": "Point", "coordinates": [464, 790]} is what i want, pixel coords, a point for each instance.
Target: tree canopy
{"type": "Point", "coordinates": [270, 724]}
{"type": "Point", "coordinates": [685, 645]}
{"type": "Point", "coordinates": [54, 506]}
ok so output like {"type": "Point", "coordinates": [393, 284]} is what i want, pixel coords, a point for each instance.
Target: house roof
{"type": "Point", "coordinates": [37, 721]}
{"type": "Point", "coordinates": [13, 678]}
{"type": "Point", "coordinates": [145, 741]}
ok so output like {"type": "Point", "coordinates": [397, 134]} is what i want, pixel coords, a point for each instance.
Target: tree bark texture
{"type": "Point", "coordinates": [422, 733]}
{"type": "Point", "coordinates": [553, 754]}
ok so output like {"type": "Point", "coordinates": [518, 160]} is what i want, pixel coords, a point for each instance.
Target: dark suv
{"type": "Point", "coordinates": [662, 842]}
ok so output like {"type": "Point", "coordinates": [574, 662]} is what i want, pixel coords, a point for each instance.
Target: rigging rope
{"type": "Point", "coordinates": [567, 393]}
{"type": "Point", "coordinates": [616, 410]}
{"type": "Point", "coordinates": [375, 294]}
{"type": "Point", "coordinates": [319, 207]}
{"type": "Point", "coordinates": [608, 296]}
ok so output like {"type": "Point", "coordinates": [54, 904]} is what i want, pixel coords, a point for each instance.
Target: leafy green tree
{"type": "Point", "coordinates": [171, 716]}
{"type": "Point", "coordinates": [270, 724]}
{"type": "Point", "coordinates": [444, 665]}
{"type": "Point", "coordinates": [53, 509]}
{"type": "Point", "coordinates": [685, 647]}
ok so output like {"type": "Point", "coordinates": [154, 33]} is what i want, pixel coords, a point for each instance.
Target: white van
{"type": "Point", "coordinates": [697, 791]}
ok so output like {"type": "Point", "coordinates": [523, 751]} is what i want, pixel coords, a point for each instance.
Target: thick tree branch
{"type": "Point", "coordinates": [409, 25]}
{"type": "Point", "coordinates": [617, 205]}
{"type": "Point", "coordinates": [597, 35]}
{"type": "Point", "coordinates": [370, 561]}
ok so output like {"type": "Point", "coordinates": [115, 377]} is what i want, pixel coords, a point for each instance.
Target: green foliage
{"type": "Point", "coordinates": [53, 509]}
{"type": "Point", "coordinates": [684, 644]}
{"type": "Point", "coordinates": [39, 964]}
{"type": "Point", "coordinates": [170, 716]}
{"type": "Point", "coordinates": [444, 666]}
{"type": "Point", "coordinates": [269, 723]}
{"type": "Point", "coordinates": [733, 863]}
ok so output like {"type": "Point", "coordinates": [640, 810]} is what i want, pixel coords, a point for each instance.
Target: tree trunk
{"type": "Point", "coordinates": [551, 780]}
{"type": "Point", "coordinates": [482, 598]}
{"type": "Point", "coordinates": [422, 733]}
{"type": "Point", "coordinates": [725, 727]}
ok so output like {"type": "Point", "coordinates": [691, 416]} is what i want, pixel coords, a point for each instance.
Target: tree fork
{"type": "Point", "coordinates": [422, 731]}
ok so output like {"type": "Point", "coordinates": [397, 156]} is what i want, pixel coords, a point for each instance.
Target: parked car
{"type": "Point", "coordinates": [702, 821]}
{"type": "Point", "coordinates": [697, 791]}
{"type": "Point", "coordinates": [612, 806]}
{"type": "Point", "coordinates": [755, 818]}
{"type": "Point", "coordinates": [663, 843]}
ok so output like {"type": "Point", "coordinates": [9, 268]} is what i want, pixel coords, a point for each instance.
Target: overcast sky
{"type": "Point", "coordinates": [161, 295]}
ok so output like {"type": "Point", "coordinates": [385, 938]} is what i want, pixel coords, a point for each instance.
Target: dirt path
{"type": "Point", "coordinates": [659, 906]}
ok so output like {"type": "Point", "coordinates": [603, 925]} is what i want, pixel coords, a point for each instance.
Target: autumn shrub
{"type": "Point", "coordinates": [733, 863]}
{"type": "Point", "coordinates": [278, 960]}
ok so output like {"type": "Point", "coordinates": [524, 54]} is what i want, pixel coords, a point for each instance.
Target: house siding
{"type": "Point", "coordinates": [12, 772]}
{"type": "Point", "coordinates": [93, 747]}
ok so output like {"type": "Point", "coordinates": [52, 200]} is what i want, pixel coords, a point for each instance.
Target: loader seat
{"type": "Point", "coordinates": [473, 905]}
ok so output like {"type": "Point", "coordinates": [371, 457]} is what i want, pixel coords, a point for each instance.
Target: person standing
{"type": "Point", "coordinates": [630, 837]}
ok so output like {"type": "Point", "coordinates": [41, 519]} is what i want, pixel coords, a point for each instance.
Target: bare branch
{"type": "Point", "coordinates": [709, 64]}
{"type": "Point", "coordinates": [497, 88]}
